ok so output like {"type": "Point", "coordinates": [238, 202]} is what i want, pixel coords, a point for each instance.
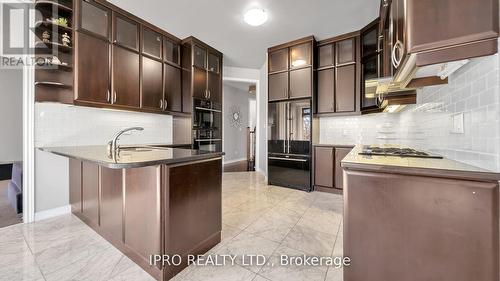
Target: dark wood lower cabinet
{"type": "Point", "coordinates": [323, 166]}
{"type": "Point", "coordinates": [340, 153]}
{"type": "Point", "coordinates": [328, 173]}
{"type": "Point", "coordinates": [163, 209]}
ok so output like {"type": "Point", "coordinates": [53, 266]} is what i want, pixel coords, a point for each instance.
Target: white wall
{"type": "Point", "coordinates": [235, 138]}
{"type": "Point", "coordinates": [473, 90]}
{"type": "Point", "coordinates": [11, 115]}
{"type": "Point", "coordinates": [242, 73]}
{"type": "Point", "coordinates": [63, 125]}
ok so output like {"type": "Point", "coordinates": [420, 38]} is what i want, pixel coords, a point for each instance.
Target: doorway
{"type": "Point", "coordinates": [11, 150]}
{"type": "Point", "coordinates": [239, 123]}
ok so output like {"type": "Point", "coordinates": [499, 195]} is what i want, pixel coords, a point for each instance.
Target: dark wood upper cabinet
{"type": "Point", "coordinates": [214, 87]}
{"type": "Point", "coordinates": [172, 51]}
{"type": "Point", "coordinates": [300, 83]}
{"type": "Point", "coordinates": [326, 83]}
{"type": "Point", "coordinates": [345, 89]}
{"type": "Point", "coordinates": [151, 42]}
{"type": "Point", "coordinates": [213, 63]}
{"type": "Point", "coordinates": [300, 55]}
{"type": "Point", "coordinates": [200, 57]}
{"type": "Point", "coordinates": [200, 83]}
{"type": "Point", "coordinates": [93, 73]}
{"type": "Point", "coordinates": [278, 60]}
{"type": "Point", "coordinates": [340, 153]}
{"type": "Point", "coordinates": [323, 166]}
{"type": "Point", "coordinates": [326, 56]}
{"type": "Point", "coordinates": [278, 86]}
{"type": "Point", "coordinates": [290, 74]}
{"type": "Point", "coordinates": [152, 84]}
{"type": "Point", "coordinates": [346, 51]}
{"type": "Point", "coordinates": [126, 89]}
{"type": "Point", "coordinates": [95, 18]}
{"type": "Point", "coordinates": [126, 32]}
{"type": "Point", "coordinates": [452, 21]}
{"type": "Point", "coordinates": [173, 89]}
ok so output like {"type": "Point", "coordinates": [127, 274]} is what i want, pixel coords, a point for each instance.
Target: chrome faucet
{"type": "Point", "coordinates": [112, 144]}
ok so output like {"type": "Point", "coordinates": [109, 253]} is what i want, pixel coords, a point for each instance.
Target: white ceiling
{"type": "Point", "coordinates": [220, 24]}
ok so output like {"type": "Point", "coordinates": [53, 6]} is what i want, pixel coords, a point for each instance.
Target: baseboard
{"type": "Point", "coordinates": [235, 160]}
{"type": "Point", "coordinates": [47, 214]}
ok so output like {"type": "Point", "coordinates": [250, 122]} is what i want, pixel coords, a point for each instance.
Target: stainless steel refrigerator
{"type": "Point", "coordinates": [289, 144]}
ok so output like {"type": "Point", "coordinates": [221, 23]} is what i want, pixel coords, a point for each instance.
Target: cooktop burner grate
{"type": "Point", "coordinates": [395, 151]}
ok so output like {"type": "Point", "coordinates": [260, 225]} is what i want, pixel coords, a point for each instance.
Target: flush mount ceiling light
{"type": "Point", "coordinates": [255, 17]}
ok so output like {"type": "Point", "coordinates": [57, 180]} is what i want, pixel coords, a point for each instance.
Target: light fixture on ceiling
{"type": "Point", "coordinates": [255, 17]}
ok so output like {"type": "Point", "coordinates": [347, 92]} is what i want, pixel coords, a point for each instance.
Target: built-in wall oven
{"type": "Point", "coordinates": [207, 125]}
{"type": "Point", "coordinates": [289, 144]}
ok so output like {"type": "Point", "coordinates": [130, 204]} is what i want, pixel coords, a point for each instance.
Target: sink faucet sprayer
{"type": "Point", "coordinates": [112, 144]}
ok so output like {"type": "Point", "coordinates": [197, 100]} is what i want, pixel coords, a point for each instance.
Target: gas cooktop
{"type": "Point", "coordinates": [396, 151]}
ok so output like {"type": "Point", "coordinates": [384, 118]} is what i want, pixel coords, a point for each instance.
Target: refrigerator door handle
{"type": "Point", "coordinates": [289, 124]}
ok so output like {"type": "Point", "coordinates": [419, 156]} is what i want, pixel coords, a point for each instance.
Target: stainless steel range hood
{"type": "Point", "coordinates": [409, 72]}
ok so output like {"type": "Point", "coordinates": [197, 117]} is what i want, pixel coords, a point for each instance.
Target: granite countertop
{"type": "Point", "coordinates": [128, 157]}
{"type": "Point", "coordinates": [416, 166]}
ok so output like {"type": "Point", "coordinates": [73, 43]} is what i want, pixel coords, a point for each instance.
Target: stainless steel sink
{"type": "Point", "coordinates": [136, 148]}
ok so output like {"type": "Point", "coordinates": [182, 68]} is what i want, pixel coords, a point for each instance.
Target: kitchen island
{"type": "Point", "coordinates": [419, 219]}
{"type": "Point", "coordinates": [148, 200]}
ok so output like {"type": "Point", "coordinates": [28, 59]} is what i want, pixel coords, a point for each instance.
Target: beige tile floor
{"type": "Point", "coordinates": [257, 219]}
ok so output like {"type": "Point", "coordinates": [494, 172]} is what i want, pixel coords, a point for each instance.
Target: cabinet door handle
{"type": "Point", "coordinates": [114, 97]}
{"type": "Point", "coordinates": [209, 94]}
{"type": "Point", "coordinates": [165, 103]}
{"type": "Point", "coordinates": [108, 96]}
{"type": "Point", "coordinates": [161, 104]}
{"type": "Point", "coordinates": [397, 53]}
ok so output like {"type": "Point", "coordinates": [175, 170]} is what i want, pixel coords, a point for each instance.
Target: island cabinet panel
{"type": "Point", "coordinates": [75, 185]}
{"type": "Point", "coordinates": [193, 220]}
{"type": "Point", "coordinates": [448, 227]}
{"type": "Point", "coordinates": [142, 212]}
{"type": "Point", "coordinates": [90, 193]}
{"type": "Point", "coordinates": [111, 206]}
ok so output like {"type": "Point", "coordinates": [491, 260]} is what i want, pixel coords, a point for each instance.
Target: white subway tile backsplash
{"type": "Point", "coordinates": [63, 125]}
{"type": "Point", "coordinates": [473, 90]}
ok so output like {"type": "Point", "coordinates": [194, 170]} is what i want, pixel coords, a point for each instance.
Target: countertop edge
{"type": "Point", "coordinates": [428, 172]}
{"type": "Point", "coordinates": [212, 155]}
